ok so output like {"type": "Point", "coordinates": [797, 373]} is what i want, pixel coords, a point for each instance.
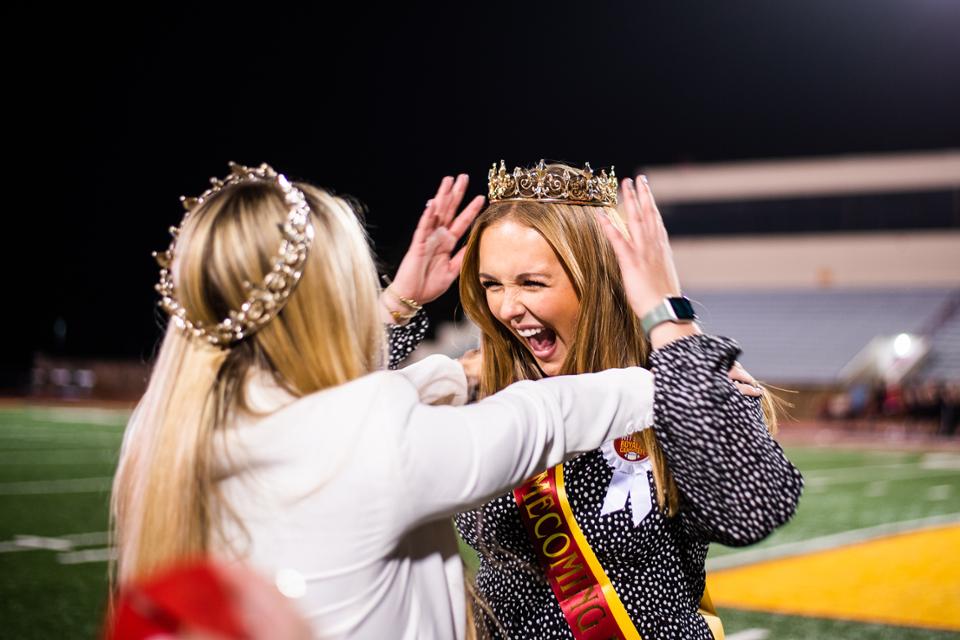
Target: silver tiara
{"type": "Point", "coordinates": [265, 300]}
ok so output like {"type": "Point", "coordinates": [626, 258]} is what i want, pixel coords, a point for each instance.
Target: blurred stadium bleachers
{"type": "Point", "coordinates": [809, 337]}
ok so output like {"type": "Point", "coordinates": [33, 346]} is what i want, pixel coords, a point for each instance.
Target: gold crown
{"type": "Point", "coordinates": [553, 183]}
{"type": "Point", "coordinates": [265, 300]}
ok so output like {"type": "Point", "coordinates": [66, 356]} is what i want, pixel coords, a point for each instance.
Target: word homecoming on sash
{"type": "Point", "coordinates": [583, 596]}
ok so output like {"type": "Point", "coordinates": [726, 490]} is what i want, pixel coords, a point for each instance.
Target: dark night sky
{"type": "Point", "coordinates": [120, 113]}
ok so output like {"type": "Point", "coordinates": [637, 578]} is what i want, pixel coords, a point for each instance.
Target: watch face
{"type": "Point", "coordinates": [683, 308]}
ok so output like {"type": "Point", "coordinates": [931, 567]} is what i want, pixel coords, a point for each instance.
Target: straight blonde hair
{"type": "Point", "coordinates": [165, 507]}
{"type": "Point", "coordinates": [608, 335]}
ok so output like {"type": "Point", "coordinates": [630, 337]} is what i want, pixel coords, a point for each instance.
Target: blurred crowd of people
{"type": "Point", "coordinates": [934, 404]}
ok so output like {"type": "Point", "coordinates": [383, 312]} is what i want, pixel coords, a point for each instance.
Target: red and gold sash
{"type": "Point", "coordinates": [587, 598]}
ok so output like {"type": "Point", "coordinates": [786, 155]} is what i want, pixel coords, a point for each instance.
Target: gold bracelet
{"type": "Point", "coordinates": [412, 304]}
{"type": "Point", "coordinates": [399, 318]}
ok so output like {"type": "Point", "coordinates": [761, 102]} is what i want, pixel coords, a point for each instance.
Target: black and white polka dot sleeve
{"type": "Point", "coordinates": [736, 485]}
{"type": "Point", "coordinates": [405, 338]}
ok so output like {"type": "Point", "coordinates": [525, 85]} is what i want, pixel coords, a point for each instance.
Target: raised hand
{"type": "Point", "coordinates": [428, 268]}
{"type": "Point", "coordinates": [645, 258]}
{"type": "Point", "coordinates": [649, 273]}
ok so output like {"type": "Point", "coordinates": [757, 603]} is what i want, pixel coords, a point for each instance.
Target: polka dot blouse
{"type": "Point", "coordinates": [736, 487]}
{"type": "Point", "coordinates": [405, 338]}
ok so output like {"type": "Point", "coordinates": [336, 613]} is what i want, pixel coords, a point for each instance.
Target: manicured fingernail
{"type": "Point", "coordinates": [644, 178]}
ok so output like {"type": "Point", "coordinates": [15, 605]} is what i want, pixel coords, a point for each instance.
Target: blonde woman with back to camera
{"type": "Point", "coordinates": [270, 433]}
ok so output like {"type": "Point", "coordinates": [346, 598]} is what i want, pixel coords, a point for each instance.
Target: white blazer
{"type": "Point", "coordinates": [351, 489]}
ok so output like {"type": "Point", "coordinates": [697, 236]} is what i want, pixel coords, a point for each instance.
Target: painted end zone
{"type": "Point", "coordinates": [910, 579]}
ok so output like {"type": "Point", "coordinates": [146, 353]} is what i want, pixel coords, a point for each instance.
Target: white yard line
{"type": "Point", "coordinates": [932, 460]}
{"type": "Point", "coordinates": [91, 539]}
{"type": "Point", "coordinates": [16, 432]}
{"type": "Point", "coordinates": [90, 441]}
{"type": "Point", "coordinates": [59, 463]}
{"type": "Point", "coordinates": [53, 427]}
{"type": "Point", "coordinates": [33, 543]}
{"type": "Point", "coordinates": [750, 634]}
{"type": "Point", "coordinates": [33, 457]}
{"type": "Point", "coordinates": [829, 471]}
{"type": "Point", "coordinates": [39, 487]}
{"type": "Point", "coordinates": [939, 492]}
{"type": "Point", "coordinates": [941, 460]}
{"type": "Point", "coordinates": [96, 441]}
{"type": "Point", "coordinates": [87, 555]}
{"type": "Point", "coordinates": [870, 476]}
{"type": "Point", "coordinates": [67, 542]}
{"type": "Point", "coordinates": [876, 489]}
{"type": "Point", "coordinates": [41, 542]}
{"type": "Point", "coordinates": [87, 415]}
{"type": "Point", "coordinates": [824, 543]}
{"type": "Point", "coordinates": [50, 425]}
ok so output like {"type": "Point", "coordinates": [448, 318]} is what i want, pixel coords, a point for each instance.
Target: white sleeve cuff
{"type": "Point", "coordinates": [438, 379]}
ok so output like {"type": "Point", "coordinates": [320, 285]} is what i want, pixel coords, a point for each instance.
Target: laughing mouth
{"type": "Point", "coordinates": [541, 340]}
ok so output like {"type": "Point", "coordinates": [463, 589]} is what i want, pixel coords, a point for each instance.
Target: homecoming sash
{"type": "Point", "coordinates": [589, 602]}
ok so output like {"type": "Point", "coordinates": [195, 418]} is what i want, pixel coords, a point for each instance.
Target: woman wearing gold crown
{"type": "Point", "coordinates": [268, 432]}
{"type": "Point", "coordinates": [611, 544]}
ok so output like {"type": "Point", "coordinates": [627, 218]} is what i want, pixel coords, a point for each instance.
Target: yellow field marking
{"type": "Point", "coordinates": [910, 579]}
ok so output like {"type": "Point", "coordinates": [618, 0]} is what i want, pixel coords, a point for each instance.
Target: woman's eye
{"type": "Point", "coordinates": [487, 284]}
{"type": "Point", "coordinates": [533, 283]}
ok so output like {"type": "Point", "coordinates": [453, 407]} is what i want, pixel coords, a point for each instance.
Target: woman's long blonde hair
{"type": "Point", "coordinates": [165, 506]}
{"type": "Point", "coordinates": [608, 334]}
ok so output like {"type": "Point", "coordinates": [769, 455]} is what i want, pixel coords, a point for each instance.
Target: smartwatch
{"type": "Point", "coordinates": [672, 309]}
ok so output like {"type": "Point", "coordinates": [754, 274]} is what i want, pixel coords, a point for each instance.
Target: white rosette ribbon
{"type": "Point", "coordinates": [629, 481]}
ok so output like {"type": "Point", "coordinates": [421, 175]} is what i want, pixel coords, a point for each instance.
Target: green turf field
{"type": "Point", "coordinates": [55, 468]}
{"type": "Point", "coordinates": [849, 490]}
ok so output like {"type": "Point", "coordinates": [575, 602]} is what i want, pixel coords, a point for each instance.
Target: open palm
{"type": "Point", "coordinates": [429, 266]}
{"type": "Point", "coordinates": [644, 254]}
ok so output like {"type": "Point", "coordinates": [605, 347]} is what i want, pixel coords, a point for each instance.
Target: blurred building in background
{"type": "Point", "coordinates": [840, 276]}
